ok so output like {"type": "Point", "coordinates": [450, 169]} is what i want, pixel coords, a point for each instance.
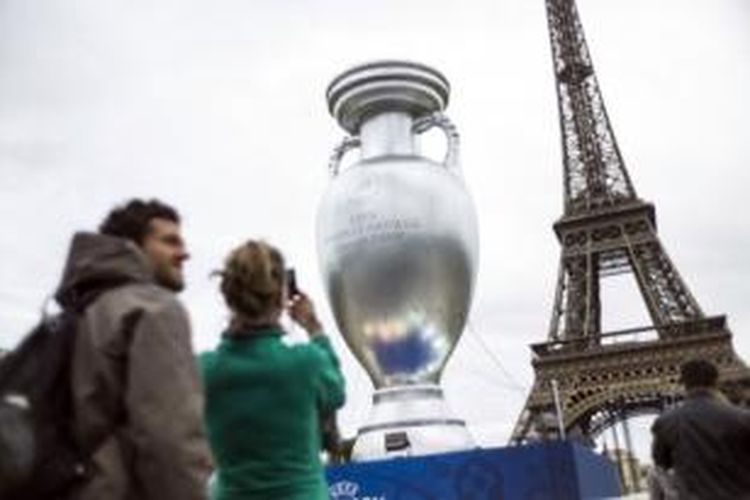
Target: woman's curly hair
{"type": "Point", "coordinates": [252, 281]}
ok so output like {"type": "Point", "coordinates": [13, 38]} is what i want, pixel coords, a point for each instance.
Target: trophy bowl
{"type": "Point", "coordinates": [397, 244]}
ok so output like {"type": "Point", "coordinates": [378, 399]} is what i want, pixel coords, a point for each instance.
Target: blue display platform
{"type": "Point", "coordinates": [557, 470]}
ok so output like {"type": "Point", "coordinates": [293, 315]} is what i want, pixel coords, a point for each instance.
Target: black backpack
{"type": "Point", "coordinates": [39, 456]}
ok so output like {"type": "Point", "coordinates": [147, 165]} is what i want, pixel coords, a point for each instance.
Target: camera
{"type": "Point", "coordinates": [291, 283]}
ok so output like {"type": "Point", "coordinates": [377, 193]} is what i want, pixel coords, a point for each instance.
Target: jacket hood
{"type": "Point", "coordinates": [96, 262]}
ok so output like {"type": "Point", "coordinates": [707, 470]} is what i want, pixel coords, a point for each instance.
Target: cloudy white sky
{"type": "Point", "coordinates": [218, 107]}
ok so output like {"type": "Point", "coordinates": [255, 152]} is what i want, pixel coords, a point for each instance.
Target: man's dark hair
{"type": "Point", "coordinates": [131, 220]}
{"type": "Point", "coordinates": [698, 373]}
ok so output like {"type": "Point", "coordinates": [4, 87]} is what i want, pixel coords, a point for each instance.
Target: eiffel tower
{"type": "Point", "coordinates": [598, 378]}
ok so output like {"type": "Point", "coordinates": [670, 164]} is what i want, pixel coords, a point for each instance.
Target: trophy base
{"type": "Point", "coordinates": [410, 421]}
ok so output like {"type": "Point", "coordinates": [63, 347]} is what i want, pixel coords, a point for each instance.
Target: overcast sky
{"type": "Point", "coordinates": [218, 107]}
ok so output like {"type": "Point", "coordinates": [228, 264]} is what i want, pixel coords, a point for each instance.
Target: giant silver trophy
{"type": "Point", "coordinates": [397, 242]}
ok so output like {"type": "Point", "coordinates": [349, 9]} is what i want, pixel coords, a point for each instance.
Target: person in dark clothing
{"type": "Point", "coordinates": [136, 390]}
{"type": "Point", "coordinates": [705, 441]}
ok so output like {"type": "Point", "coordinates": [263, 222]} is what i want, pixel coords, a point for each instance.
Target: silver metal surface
{"type": "Point", "coordinates": [373, 88]}
{"type": "Point", "coordinates": [412, 423]}
{"type": "Point", "coordinates": [397, 242]}
{"type": "Point", "coordinates": [398, 249]}
{"type": "Point", "coordinates": [421, 392]}
{"type": "Point", "coordinates": [420, 413]}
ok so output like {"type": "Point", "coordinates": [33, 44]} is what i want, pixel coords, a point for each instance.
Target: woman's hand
{"type": "Point", "coordinates": [302, 311]}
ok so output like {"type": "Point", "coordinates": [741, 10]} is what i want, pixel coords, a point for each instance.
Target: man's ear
{"type": "Point", "coordinates": [146, 233]}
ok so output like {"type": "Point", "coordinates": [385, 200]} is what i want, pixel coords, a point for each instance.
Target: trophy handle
{"type": "Point", "coordinates": [451, 134]}
{"type": "Point", "coordinates": [346, 145]}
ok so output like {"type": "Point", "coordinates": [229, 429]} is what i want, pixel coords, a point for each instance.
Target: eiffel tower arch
{"type": "Point", "coordinates": [606, 230]}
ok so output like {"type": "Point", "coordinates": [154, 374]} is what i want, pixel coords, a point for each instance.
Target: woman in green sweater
{"type": "Point", "coordinates": [264, 398]}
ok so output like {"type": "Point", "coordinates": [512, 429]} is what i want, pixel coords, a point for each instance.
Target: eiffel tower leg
{"type": "Point", "coordinates": [537, 419]}
{"type": "Point", "coordinates": [577, 310]}
{"type": "Point", "coordinates": [522, 429]}
{"type": "Point", "coordinates": [667, 297]}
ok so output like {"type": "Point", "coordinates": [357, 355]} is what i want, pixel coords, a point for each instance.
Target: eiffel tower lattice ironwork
{"type": "Point", "coordinates": [605, 230]}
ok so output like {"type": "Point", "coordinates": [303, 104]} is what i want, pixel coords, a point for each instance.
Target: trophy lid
{"type": "Point", "coordinates": [381, 86]}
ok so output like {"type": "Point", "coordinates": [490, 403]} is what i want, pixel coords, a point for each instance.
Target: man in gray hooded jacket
{"type": "Point", "coordinates": [137, 395]}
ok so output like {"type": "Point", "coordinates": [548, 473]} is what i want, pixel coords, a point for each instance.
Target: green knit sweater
{"type": "Point", "coordinates": [263, 401]}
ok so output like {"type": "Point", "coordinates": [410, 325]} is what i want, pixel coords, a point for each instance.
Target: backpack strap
{"type": "Point", "coordinates": [78, 300]}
